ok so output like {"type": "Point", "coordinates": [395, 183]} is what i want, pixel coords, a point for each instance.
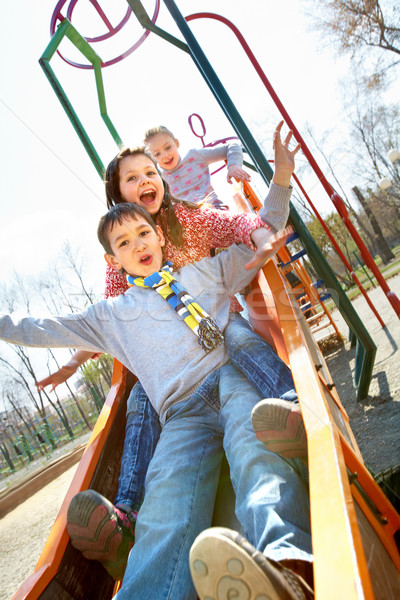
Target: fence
{"type": "Point", "coordinates": [23, 443]}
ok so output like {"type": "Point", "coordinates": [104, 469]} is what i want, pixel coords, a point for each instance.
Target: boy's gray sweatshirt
{"type": "Point", "coordinates": [144, 333]}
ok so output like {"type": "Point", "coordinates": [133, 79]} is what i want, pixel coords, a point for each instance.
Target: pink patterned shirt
{"type": "Point", "coordinates": [191, 178]}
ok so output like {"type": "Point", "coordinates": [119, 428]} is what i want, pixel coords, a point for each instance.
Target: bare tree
{"type": "Point", "coordinates": [360, 23]}
{"type": "Point", "coordinates": [331, 164]}
{"type": "Point", "coordinates": [367, 30]}
{"type": "Point", "coordinates": [76, 266]}
{"type": "Point", "coordinates": [72, 394]}
{"type": "Point", "coordinates": [354, 25]}
{"type": "Point", "coordinates": [12, 397]}
{"type": "Point", "coordinates": [18, 375]}
{"type": "Point", "coordinates": [383, 249]}
{"type": "Point", "coordinates": [376, 129]}
{"type": "Point", "coordinates": [23, 370]}
{"type": "Point", "coordinates": [302, 206]}
{"type": "Point", "coordinates": [388, 211]}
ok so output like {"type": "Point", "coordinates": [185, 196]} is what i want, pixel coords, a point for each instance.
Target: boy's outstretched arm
{"type": "Point", "coordinates": [80, 330]}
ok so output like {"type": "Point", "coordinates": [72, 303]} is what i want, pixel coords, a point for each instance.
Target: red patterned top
{"type": "Point", "coordinates": [203, 229]}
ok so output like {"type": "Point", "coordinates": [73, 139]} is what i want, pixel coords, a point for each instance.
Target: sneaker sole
{"type": "Point", "coordinates": [90, 523]}
{"type": "Point", "coordinates": [221, 569]}
{"type": "Point", "coordinates": [94, 530]}
{"type": "Point", "coordinates": [279, 425]}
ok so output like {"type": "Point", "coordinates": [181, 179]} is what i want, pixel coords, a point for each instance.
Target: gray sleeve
{"type": "Point", "coordinates": [231, 264]}
{"type": "Point", "coordinates": [73, 331]}
{"type": "Point", "coordinates": [275, 211]}
{"type": "Point", "coordinates": [234, 154]}
{"type": "Point", "coordinates": [231, 152]}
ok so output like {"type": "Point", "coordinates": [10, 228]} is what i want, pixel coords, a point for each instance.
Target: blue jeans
{"type": "Point", "coordinates": [271, 500]}
{"type": "Point", "coordinates": [257, 360]}
{"type": "Point", "coordinates": [252, 355]}
{"type": "Point", "coordinates": [141, 436]}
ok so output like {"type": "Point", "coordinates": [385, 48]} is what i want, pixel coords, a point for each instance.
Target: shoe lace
{"type": "Point", "coordinates": [127, 517]}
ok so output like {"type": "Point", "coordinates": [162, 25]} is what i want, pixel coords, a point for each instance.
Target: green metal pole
{"type": "Point", "coordinates": [66, 29]}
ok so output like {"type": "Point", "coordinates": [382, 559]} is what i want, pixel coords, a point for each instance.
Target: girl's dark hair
{"type": "Point", "coordinates": [113, 194]}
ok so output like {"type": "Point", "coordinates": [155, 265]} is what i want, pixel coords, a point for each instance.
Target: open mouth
{"type": "Point", "coordinates": [169, 164]}
{"type": "Point", "coordinates": [148, 197]}
{"type": "Point", "coordinates": [146, 260]}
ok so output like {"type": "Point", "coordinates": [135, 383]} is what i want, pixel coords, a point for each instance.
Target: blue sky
{"type": "Point", "coordinates": [50, 191]}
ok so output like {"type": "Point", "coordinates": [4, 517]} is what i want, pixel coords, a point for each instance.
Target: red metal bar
{"type": "Point", "coordinates": [394, 301]}
{"type": "Point", "coordinates": [367, 258]}
{"type": "Point", "coordinates": [338, 250]}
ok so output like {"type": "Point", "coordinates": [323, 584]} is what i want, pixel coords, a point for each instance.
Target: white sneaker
{"type": "Point", "coordinates": [224, 565]}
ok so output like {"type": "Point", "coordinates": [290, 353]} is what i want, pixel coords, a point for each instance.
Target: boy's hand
{"type": "Point", "coordinates": [284, 158]}
{"type": "Point", "coordinates": [267, 245]}
{"type": "Point", "coordinates": [238, 173]}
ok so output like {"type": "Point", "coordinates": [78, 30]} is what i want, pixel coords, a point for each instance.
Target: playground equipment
{"type": "Point", "coordinates": [365, 347]}
{"type": "Point", "coordinates": [337, 201]}
{"type": "Point", "coordinates": [355, 529]}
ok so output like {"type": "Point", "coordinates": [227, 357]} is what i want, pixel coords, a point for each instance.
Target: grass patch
{"type": "Point", "coordinates": [388, 271]}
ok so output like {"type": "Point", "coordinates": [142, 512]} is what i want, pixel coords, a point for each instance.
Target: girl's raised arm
{"type": "Point", "coordinates": [66, 371]}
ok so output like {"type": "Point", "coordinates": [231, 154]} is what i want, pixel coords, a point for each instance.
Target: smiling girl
{"type": "Point", "coordinates": [189, 177]}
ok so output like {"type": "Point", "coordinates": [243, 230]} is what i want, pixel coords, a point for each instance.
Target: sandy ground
{"type": "Point", "coordinates": [23, 533]}
{"type": "Point", "coordinates": [375, 422]}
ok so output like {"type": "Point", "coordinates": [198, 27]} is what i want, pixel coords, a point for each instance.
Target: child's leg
{"type": "Point", "coordinates": [272, 502]}
{"type": "Point", "coordinates": [257, 360]}
{"type": "Point", "coordinates": [100, 530]}
{"type": "Point", "coordinates": [141, 436]}
{"type": "Point", "coordinates": [180, 491]}
{"type": "Point", "coordinates": [277, 420]}
{"type": "Point", "coordinates": [225, 565]}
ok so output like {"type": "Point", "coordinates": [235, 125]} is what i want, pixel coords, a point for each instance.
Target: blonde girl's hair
{"type": "Point", "coordinates": [113, 195]}
{"type": "Point", "coordinates": [155, 131]}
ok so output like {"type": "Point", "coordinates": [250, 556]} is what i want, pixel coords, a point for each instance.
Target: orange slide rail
{"type": "Point", "coordinates": [53, 551]}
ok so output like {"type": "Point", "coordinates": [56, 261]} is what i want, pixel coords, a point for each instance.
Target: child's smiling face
{"type": "Point", "coordinates": [136, 246]}
{"type": "Point", "coordinates": [165, 150]}
{"type": "Point", "coordinates": [140, 182]}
